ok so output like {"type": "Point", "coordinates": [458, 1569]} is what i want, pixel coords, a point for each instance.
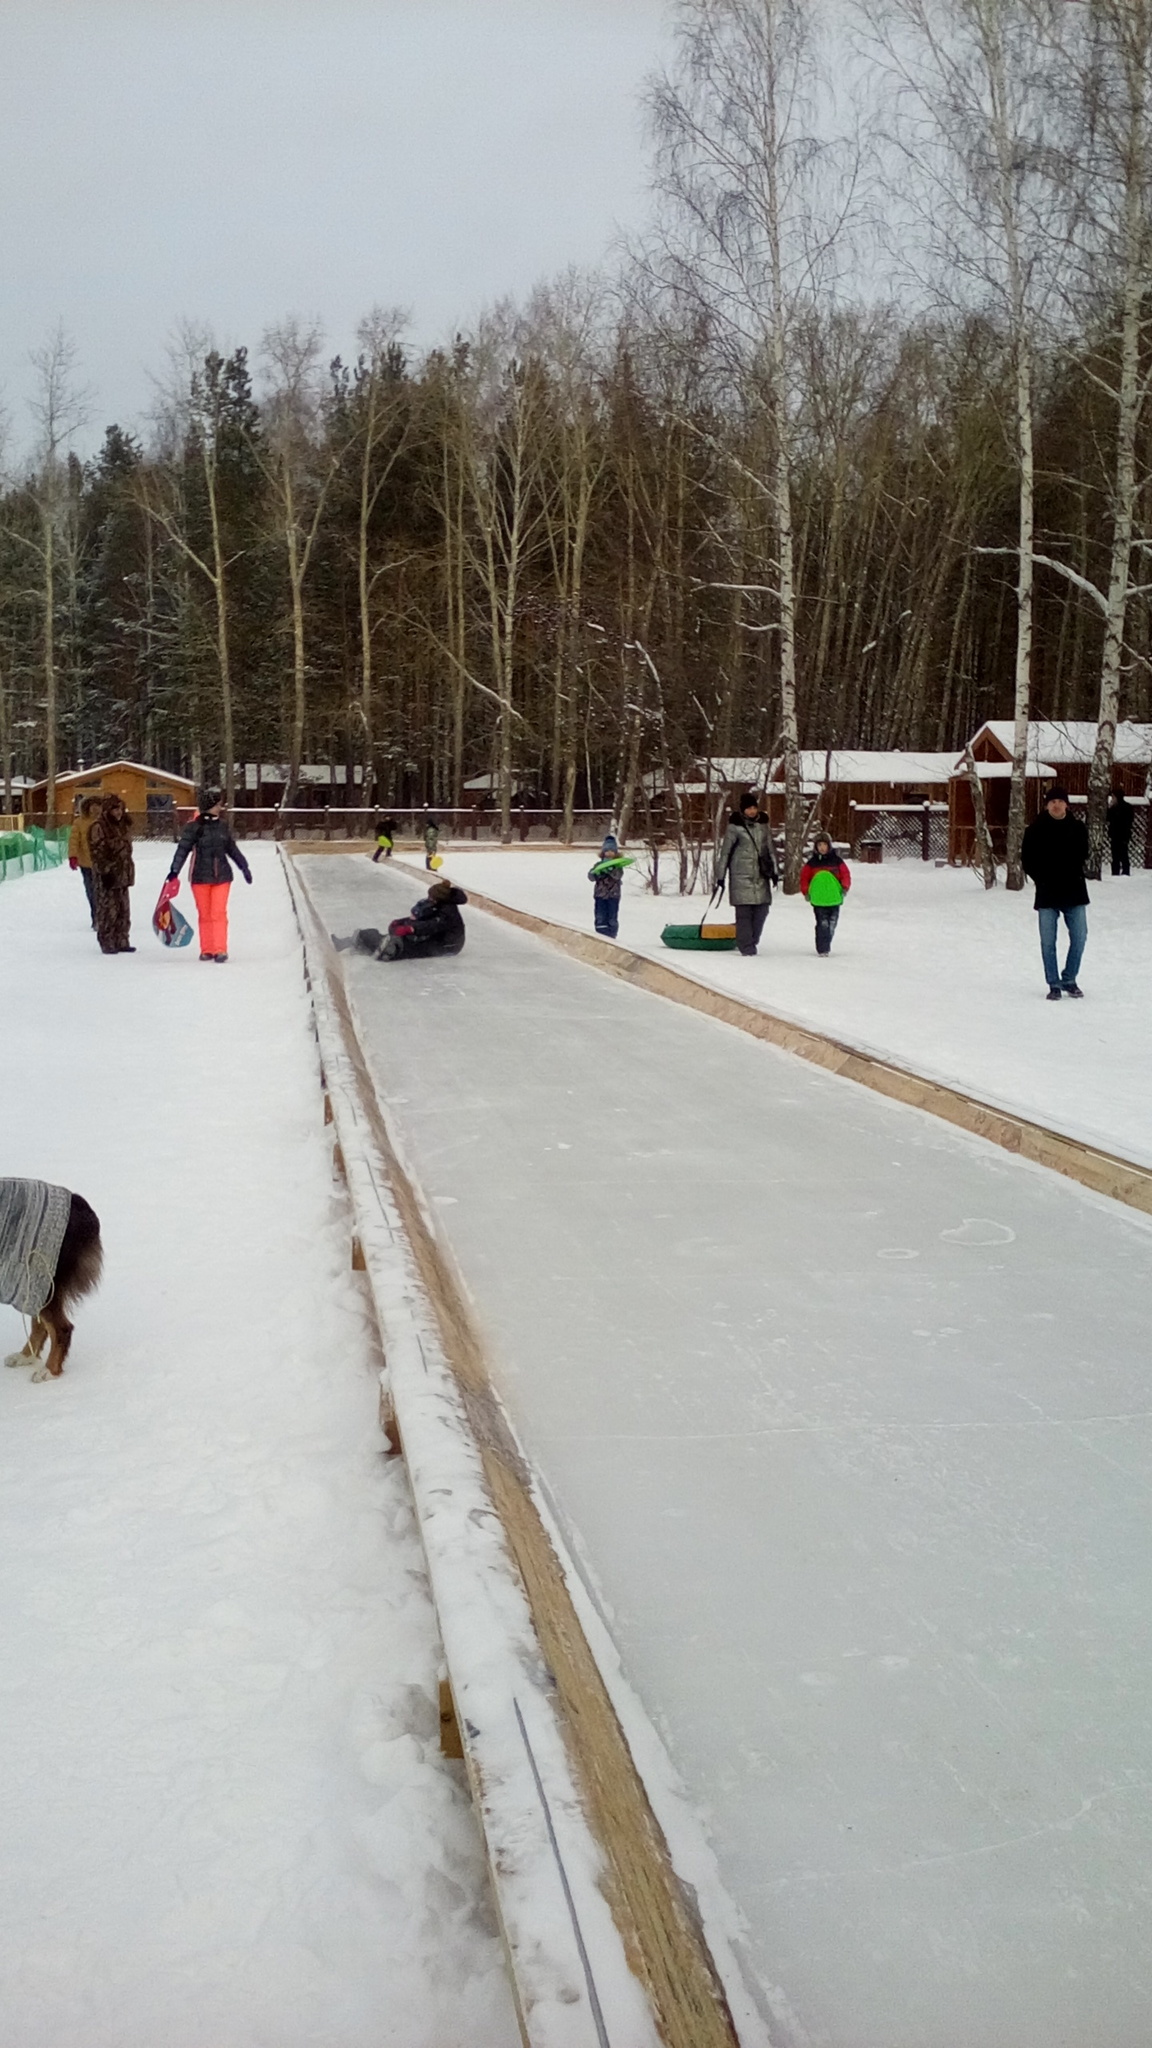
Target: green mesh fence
{"type": "Point", "coordinates": [27, 853]}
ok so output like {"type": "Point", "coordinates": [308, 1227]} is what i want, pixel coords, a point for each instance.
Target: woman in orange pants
{"type": "Point", "coordinates": [209, 840]}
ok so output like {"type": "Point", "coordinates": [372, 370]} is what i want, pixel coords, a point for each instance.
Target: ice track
{"type": "Point", "coordinates": [846, 1414]}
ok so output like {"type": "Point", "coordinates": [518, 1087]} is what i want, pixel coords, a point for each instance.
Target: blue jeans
{"type": "Point", "coordinates": [827, 918]}
{"type": "Point", "coordinates": [1076, 919]}
{"type": "Point", "coordinates": [607, 912]}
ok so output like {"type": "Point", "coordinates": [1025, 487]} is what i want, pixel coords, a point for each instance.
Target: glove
{"type": "Point", "coordinates": [248, 877]}
{"type": "Point", "coordinates": [170, 888]}
{"type": "Point", "coordinates": [73, 863]}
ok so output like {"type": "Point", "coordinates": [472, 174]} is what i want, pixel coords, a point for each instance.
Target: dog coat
{"type": "Point", "coordinates": [33, 1219]}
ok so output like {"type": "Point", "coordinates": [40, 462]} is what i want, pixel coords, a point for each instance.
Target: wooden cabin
{"type": "Point", "coordinates": [856, 794]}
{"type": "Point", "coordinates": [151, 796]}
{"type": "Point", "coordinates": [1058, 751]}
{"type": "Point", "coordinates": [322, 785]}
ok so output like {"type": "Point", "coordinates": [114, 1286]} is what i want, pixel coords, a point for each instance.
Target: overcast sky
{"type": "Point", "coordinates": [231, 161]}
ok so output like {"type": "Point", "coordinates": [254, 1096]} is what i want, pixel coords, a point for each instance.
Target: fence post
{"type": "Point", "coordinates": [926, 832]}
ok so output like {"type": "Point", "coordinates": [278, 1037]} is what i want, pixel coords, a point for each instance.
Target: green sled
{"type": "Point", "coordinates": [687, 938]}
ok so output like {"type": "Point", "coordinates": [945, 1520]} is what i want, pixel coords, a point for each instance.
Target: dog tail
{"type": "Point", "coordinates": [81, 1259]}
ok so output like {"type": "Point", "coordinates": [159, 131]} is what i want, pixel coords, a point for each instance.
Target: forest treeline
{"type": "Point", "coordinates": [719, 503]}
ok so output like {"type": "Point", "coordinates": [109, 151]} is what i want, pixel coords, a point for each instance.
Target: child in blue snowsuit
{"type": "Point", "coordinates": [607, 879]}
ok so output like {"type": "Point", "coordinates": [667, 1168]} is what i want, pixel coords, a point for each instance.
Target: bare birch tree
{"type": "Point", "coordinates": [195, 425]}
{"type": "Point", "coordinates": [383, 427]}
{"type": "Point", "coordinates": [746, 237]}
{"type": "Point", "coordinates": [300, 468]}
{"type": "Point", "coordinates": [504, 417]}
{"type": "Point", "coordinates": [973, 129]}
{"type": "Point", "coordinates": [1115, 49]}
{"type": "Point", "coordinates": [59, 409]}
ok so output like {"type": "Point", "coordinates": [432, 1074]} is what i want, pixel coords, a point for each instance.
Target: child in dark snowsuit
{"type": "Point", "coordinates": [825, 881]}
{"type": "Point", "coordinates": [386, 831]}
{"type": "Point", "coordinates": [432, 928]}
{"type": "Point", "coordinates": [607, 879]}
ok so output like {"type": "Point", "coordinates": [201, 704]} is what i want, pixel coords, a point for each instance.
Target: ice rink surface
{"type": "Point", "coordinates": [846, 1415]}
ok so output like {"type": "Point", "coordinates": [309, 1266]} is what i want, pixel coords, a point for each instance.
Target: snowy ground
{"type": "Point", "coordinates": [927, 969]}
{"type": "Point", "coordinates": [846, 1415]}
{"type": "Point", "coordinates": [225, 1821]}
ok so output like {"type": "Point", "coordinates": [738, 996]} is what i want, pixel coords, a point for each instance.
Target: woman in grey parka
{"type": "Point", "coordinates": [746, 859]}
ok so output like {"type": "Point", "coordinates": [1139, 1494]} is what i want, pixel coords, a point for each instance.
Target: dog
{"type": "Point", "coordinates": [50, 1257]}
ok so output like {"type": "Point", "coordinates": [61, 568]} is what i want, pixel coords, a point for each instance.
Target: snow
{"type": "Point", "coordinates": [928, 969]}
{"type": "Point", "coordinates": [843, 1414]}
{"type": "Point", "coordinates": [842, 764]}
{"type": "Point", "coordinates": [1073, 739]}
{"type": "Point", "coordinates": [225, 1814]}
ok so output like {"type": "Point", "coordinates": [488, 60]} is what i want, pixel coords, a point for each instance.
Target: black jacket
{"type": "Point", "coordinates": [1053, 853]}
{"type": "Point", "coordinates": [438, 927]}
{"type": "Point", "coordinates": [212, 840]}
{"type": "Point", "coordinates": [1120, 816]}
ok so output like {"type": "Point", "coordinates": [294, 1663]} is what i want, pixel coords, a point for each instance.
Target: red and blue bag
{"type": "Point", "coordinates": [169, 924]}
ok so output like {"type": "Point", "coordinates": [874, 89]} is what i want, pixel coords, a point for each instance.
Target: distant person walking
{"type": "Point", "coordinates": [80, 851]}
{"type": "Point", "coordinates": [1054, 852]}
{"type": "Point", "coordinates": [210, 842]}
{"type": "Point", "coordinates": [113, 872]}
{"type": "Point", "coordinates": [1120, 821]}
{"type": "Point", "coordinates": [825, 881]}
{"type": "Point", "coordinates": [431, 840]}
{"type": "Point", "coordinates": [747, 862]}
{"type": "Point", "coordinates": [607, 878]}
{"type": "Point", "coordinates": [387, 831]}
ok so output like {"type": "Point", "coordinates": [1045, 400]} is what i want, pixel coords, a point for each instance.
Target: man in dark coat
{"type": "Point", "coordinates": [1119, 831]}
{"type": "Point", "coordinates": [1054, 853]}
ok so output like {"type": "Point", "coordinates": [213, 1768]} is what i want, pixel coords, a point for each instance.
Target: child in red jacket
{"type": "Point", "coordinates": [825, 881]}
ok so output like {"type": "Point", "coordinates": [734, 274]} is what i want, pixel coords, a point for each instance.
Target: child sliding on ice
{"type": "Point", "coordinates": [607, 878]}
{"type": "Point", "coordinates": [825, 881]}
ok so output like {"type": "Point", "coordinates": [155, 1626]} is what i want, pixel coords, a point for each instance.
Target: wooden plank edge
{"type": "Point", "coordinates": [525, 1694]}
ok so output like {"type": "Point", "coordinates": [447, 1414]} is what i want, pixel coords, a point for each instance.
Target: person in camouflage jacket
{"type": "Point", "coordinates": [114, 873]}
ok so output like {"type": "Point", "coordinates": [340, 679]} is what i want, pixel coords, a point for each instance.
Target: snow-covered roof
{"type": "Point", "coordinates": [897, 766]}
{"type": "Point", "coordinates": [1001, 771]}
{"type": "Point", "coordinates": [493, 781]}
{"type": "Point", "coordinates": [105, 768]}
{"type": "Point", "coordinates": [323, 772]}
{"type": "Point", "coordinates": [1073, 739]}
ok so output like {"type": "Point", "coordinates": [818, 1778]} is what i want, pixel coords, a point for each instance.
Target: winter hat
{"type": "Point", "coordinates": [609, 840]}
{"type": "Point", "coordinates": [208, 799]}
{"type": "Point", "coordinates": [1057, 794]}
{"type": "Point", "coordinates": [750, 800]}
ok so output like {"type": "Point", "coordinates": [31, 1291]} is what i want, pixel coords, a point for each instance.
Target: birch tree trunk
{"type": "Point", "coordinates": [985, 854]}
{"type": "Point", "coordinates": [1123, 513]}
{"type": "Point", "coordinates": [48, 530]}
{"type": "Point", "coordinates": [1022, 705]}
{"type": "Point", "coordinates": [223, 656]}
